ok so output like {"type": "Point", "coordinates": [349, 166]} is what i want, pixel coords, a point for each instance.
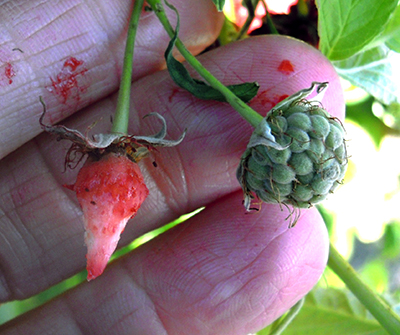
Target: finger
{"type": "Point", "coordinates": [71, 54]}
{"type": "Point", "coordinates": [221, 272]}
{"type": "Point", "coordinates": [42, 241]}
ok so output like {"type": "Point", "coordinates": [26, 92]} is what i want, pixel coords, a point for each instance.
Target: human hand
{"type": "Point", "coordinates": [222, 271]}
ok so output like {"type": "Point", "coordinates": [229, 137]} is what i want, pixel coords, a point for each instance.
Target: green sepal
{"type": "Point", "coordinates": [219, 4]}
{"type": "Point", "coordinates": [201, 90]}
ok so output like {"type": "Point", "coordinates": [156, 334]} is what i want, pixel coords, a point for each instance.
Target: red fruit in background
{"type": "Point", "coordinates": [110, 192]}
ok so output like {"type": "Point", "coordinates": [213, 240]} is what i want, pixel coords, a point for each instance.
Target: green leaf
{"type": "Point", "coordinates": [228, 32]}
{"type": "Point", "coordinates": [391, 33]}
{"type": "Point", "coordinates": [245, 91]}
{"type": "Point", "coordinates": [346, 27]}
{"type": "Point", "coordinates": [375, 274]}
{"type": "Point", "coordinates": [391, 240]}
{"type": "Point", "coordinates": [219, 4]}
{"type": "Point", "coordinates": [391, 116]}
{"type": "Point", "coordinates": [361, 113]}
{"type": "Point", "coordinates": [376, 71]}
{"type": "Point", "coordinates": [331, 312]}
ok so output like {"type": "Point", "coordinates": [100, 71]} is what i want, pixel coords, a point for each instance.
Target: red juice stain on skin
{"type": "Point", "coordinates": [174, 91]}
{"type": "Point", "coordinates": [72, 63]}
{"type": "Point", "coordinates": [286, 67]}
{"type": "Point", "coordinates": [268, 100]}
{"type": "Point", "coordinates": [9, 72]}
{"type": "Point", "coordinates": [282, 97]}
{"type": "Point", "coordinates": [66, 84]}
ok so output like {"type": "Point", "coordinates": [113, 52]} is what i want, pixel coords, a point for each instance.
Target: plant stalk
{"type": "Point", "coordinates": [269, 21]}
{"type": "Point", "coordinates": [121, 118]}
{"type": "Point", "coordinates": [251, 7]}
{"type": "Point", "coordinates": [375, 305]}
{"type": "Point", "coordinates": [249, 114]}
{"type": "Point", "coordinates": [287, 320]}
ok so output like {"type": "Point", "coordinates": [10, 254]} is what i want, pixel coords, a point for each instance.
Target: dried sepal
{"type": "Point", "coordinates": [159, 138]}
{"type": "Point", "coordinates": [134, 146]}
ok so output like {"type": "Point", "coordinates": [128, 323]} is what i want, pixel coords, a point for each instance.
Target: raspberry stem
{"type": "Point", "coordinates": [249, 114]}
{"type": "Point", "coordinates": [121, 118]}
{"type": "Point", "coordinates": [283, 322]}
{"type": "Point", "coordinates": [376, 306]}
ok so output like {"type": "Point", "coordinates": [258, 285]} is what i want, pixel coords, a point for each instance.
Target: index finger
{"type": "Point", "coordinates": [71, 53]}
{"type": "Point", "coordinates": [43, 233]}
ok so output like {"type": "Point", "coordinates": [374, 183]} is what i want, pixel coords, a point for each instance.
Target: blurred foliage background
{"type": "Point", "coordinates": [364, 216]}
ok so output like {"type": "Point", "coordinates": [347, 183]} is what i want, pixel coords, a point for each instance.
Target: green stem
{"type": "Point", "coordinates": [249, 114]}
{"type": "Point", "coordinates": [287, 320]}
{"type": "Point", "coordinates": [377, 307]}
{"type": "Point", "coordinates": [270, 23]}
{"type": "Point", "coordinates": [251, 7]}
{"type": "Point", "coordinates": [121, 118]}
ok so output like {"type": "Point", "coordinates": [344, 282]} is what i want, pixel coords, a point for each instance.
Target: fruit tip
{"type": "Point", "coordinates": [93, 273]}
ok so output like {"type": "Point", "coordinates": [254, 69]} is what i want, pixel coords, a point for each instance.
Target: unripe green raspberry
{"type": "Point", "coordinates": [296, 156]}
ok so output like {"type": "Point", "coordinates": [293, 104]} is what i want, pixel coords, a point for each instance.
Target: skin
{"type": "Point", "coordinates": [221, 272]}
